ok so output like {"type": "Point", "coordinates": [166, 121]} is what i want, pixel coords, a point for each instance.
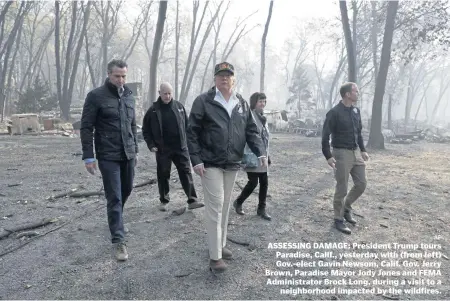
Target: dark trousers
{"type": "Point", "coordinates": [118, 182]}
{"type": "Point", "coordinates": [163, 167]}
{"type": "Point", "coordinates": [253, 178]}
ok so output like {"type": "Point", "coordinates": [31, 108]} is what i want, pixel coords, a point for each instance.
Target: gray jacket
{"type": "Point", "coordinates": [260, 127]}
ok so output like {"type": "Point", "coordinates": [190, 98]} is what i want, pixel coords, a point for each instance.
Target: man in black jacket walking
{"type": "Point", "coordinates": [220, 124]}
{"type": "Point", "coordinates": [109, 110]}
{"type": "Point", "coordinates": [343, 123]}
{"type": "Point", "coordinates": [164, 131]}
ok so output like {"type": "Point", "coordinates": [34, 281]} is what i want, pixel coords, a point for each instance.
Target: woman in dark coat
{"type": "Point", "coordinates": [257, 173]}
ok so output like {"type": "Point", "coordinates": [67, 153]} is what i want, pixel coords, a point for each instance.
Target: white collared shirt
{"type": "Point", "coordinates": [228, 105]}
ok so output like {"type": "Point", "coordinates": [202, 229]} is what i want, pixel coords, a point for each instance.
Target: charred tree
{"type": "Point", "coordinates": [263, 48]}
{"type": "Point", "coordinates": [351, 56]}
{"type": "Point", "coordinates": [155, 51]}
{"type": "Point", "coordinates": [177, 49]}
{"type": "Point", "coordinates": [376, 139]}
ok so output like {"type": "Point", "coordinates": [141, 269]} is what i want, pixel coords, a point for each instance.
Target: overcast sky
{"type": "Point", "coordinates": [285, 15]}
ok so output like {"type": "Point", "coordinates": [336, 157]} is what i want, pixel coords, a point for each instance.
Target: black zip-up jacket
{"type": "Point", "coordinates": [152, 125]}
{"type": "Point", "coordinates": [218, 140]}
{"type": "Point", "coordinates": [114, 121]}
{"type": "Point", "coordinates": [344, 124]}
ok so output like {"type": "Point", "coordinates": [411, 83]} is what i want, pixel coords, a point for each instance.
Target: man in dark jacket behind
{"type": "Point", "coordinates": [164, 131]}
{"type": "Point", "coordinates": [220, 124]}
{"type": "Point", "coordinates": [109, 110]}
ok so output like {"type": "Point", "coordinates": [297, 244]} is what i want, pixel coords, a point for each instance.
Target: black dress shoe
{"type": "Point", "coordinates": [263, 214]}
{"type": "Point", "coordinates": [342, 227]}
{"type": "Point", "coordinates": [238, 208]}
{"type": "Point", "coordinates": [349, 218]}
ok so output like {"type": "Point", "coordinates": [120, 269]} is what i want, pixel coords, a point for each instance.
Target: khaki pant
{"type": "Point", "coordinates": [217, 188]}
{"type": "Point", "coordinates": [348, 162]}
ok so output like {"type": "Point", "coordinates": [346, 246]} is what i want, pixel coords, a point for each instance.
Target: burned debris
{"type": "Point", "coordinates": [430, 134]}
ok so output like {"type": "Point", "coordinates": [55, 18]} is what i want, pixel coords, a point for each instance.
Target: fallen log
{"type": "Point", "coordinates": [242, 243]}
{"type": "Point", "coordinates": [407, 136]}
{"type": "Point", "coordinates": [44, 222]}
{"type": "Point", "coordinates": [390, 297]}
{"type": "Point", "coordinates": [75, 193]}
{"type": "Point", "coordinates": [27, 234]}
{"type": "Point", "coordinates": [401, 141]}
{"type": "Point", "coordinates": [183, 274]}
{"type": "Point", "coordinates": [61, 195]}
{"type": "Point", "coordinates": [84, 214]}
{"type": "Point", "coordinates": [83, 194]}
{"type": "Point", "coordinates": [148, 182]}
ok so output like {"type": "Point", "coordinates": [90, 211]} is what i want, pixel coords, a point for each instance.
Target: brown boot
{"type": "Point", "coordinates": [217, 266]}
{"type": "Point", "coordinates": [226, 254]}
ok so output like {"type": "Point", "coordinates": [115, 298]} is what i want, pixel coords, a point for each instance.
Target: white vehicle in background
{"type": "Point", "coordinates": [277, 121]}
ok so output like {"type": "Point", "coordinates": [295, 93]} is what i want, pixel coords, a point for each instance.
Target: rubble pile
{"type": "Point", "coordinates": [308, 128]}
{"type": "Point", "coordinates": [434, 135]}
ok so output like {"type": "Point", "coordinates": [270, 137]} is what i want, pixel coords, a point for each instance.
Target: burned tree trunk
{"type": "Point", "coordinates": [58, 50]}
{"type": "Point", "coordinates": [409, 100]}
{"type": "Point", "coordinates": [7, 102]}
{"type": "Point", "coordinates": [194, 35]}
{"type": "Point", "coordinates": [89, 62]}
{"type": "Point", "coordinates": [207, 69]}
{"type": "Point", "coordinates": [189, 73]}
{"type": "Point", "coordinates": [351, 58]}
{"type": "Point", "coordinates": [65, 101]}
{"type": "Point", "coordinates": [376, 139]}
{"type": "Point", "coordinates": [177, 49]}
{"type": "Point", "coordinates": [422, 99]}
{"type": "Point", "coordinates": [390, 112]}
{"type": "Point", "coordinates": [443, 86]}
{"type": "Point", "coordinates": [7, 46]}
{"type": "Point", "coordinates": [263, 48]}
{"type": "Point", "coordinates": [155, 50]}
{"type": "Point", "coordinates": [197, 58]}
{"type": "Point", "coordinates": [76, 60]}
{"type": "Point", "coordinates": [374, 39]}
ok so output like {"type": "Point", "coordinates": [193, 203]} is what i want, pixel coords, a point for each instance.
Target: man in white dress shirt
{"type": "Point", "coordinates": [220, 124]}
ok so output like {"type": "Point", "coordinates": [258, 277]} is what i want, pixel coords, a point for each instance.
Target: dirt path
{"type": "Point", "coordinates": [406, 201]}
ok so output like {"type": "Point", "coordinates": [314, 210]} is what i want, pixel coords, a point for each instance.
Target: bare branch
{"type": "Point", "coordinates": [137, 30]}
{"type": "Point", "coordinates": [239, 37]}
{"type": "Point", "coordinates": [238, 25]}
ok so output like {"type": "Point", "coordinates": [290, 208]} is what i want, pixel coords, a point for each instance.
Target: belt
{"type": "Point", "coordinates": [347, 148]}
{"type": "Point", "coordinates": [230, 166]}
